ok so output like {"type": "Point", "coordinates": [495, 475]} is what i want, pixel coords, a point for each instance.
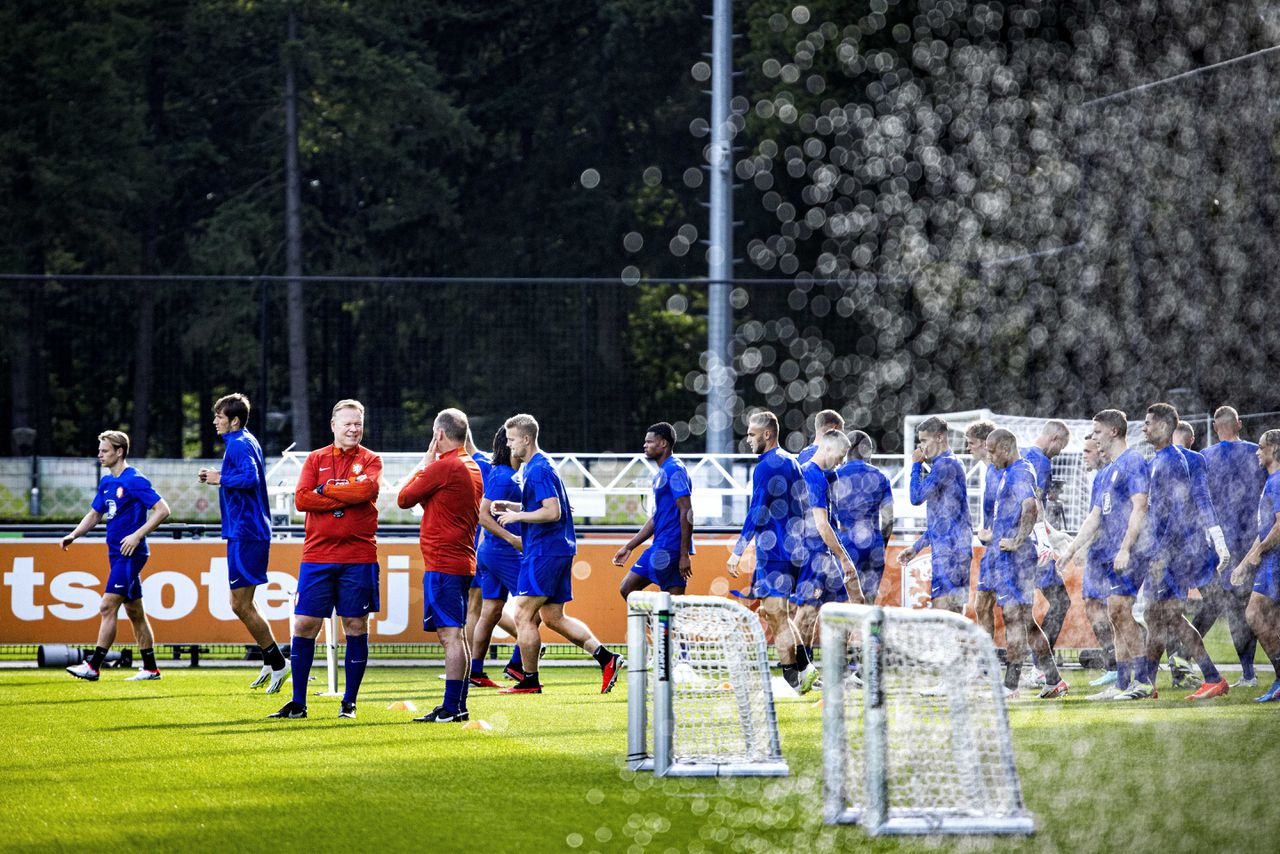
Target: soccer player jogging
{"type": "Point", "coordinates": [1235, 483]}
{"type": "Point", "coordinates": [497, 563]}
{"type": "Point", "coordinates": [829, 574]}
{"type": "Point", "coordinates": [1262, 563]}
{"type": "Point", "coordinates": [861, 503]}
{"type": "Point", "coordinates": [823, 423]}
{"type": "Point", "coordinates": [132, 509]}
{"type": "Point", "coordinates": [975, 437]}
{"type": "Point", "coordinates": [337, 489]}
{"type": "Point", "coordinates": [948, 535]}
{"type": "Point", "coordinates": [448, 485]}
{"type": "Point", "coordinates": [1053, 437]}
{"type": "Point", "coordinates": [546, 577]}
{"type": "Point", "coordinates": [666, 563]}
{"type": "Point", "coordinates": [775, 521]}
{"type": "Point", "coordinates": [1170, 550]}
{"type": "Point", "coordinates": [246, 526]}
{"type": "Point", "coordinates": [1015, 565]}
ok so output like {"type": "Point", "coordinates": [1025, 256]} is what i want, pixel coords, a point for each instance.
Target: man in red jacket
{"type": "Point", "coordinates": [449, 487]}
{"type": "Point", "coordinates": [337, 489]}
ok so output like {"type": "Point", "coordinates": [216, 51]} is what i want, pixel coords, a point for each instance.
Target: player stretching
{"type": "Point", "coordinates": [449, 487]}
{"type": "Point", "coordinates": [546, 576]}
{"type": "Point", "coordinates": [132, 509]}
{"type": "Point", "coordinates": [1053, 437]}
{"type": "Point", "coordinates": [666, 563]}
{"type": "Point", "coordinates": [1014, 570]}
{"type": "Point", "coordinates": [775, 520]}
{"type": "Point", "coordinates": [1235, 482]}
{"type": "Point", "coordinates": [948, 534]}
{"type": "Point", "coordinates": [975, 437]}
{"type": "Point", "coordinates": [497, 564]}
{"type": "Point", "coordinates": [861, 502]}
{"type": "Point", "coordinates": [1262, 563]}
{"type": "Point", "coordinates": [246, 526]}
{"type": "Point", "coordinates": [823, 423]}
{"type": "Point", "coordinates": [337, 489]}
{"type": "Point", "coordinates": [829, 574]}
{"type": "Point", "coordinates": [1171, 551]}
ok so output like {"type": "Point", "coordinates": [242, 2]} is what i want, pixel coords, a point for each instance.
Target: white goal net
{"type": "Point", "coordinates": [699, 697]}
{"type": "Point", "coordinates": [918, 740]}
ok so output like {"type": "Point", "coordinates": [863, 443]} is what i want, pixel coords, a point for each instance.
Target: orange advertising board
{"type": "Point", "coordinates": [51, 596]}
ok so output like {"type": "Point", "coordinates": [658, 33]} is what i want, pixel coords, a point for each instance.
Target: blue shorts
{"type": "Point", "coordinates": [125, 578]}
{"type": "Point", "coordinates": [351, 588]}
{"type": "Point", "coordinates": [1203, 570]}
{"type": "Point", "coordinates": [476, 582]}
{"type": "Point", "coordinates": [444, 600]}
{"type": "Point", "coordinates": [247, 562]}
{"type": "Point", "coordinates": [775, 578]}
{"type": "Point", "coordinates": [1121, 583]}
{"type": "Point", "coordinates": [546, 576]}
{"type": "Point", "coordinates": [660, 566]}
{"type": "Point", "coordinates": [1267, 581]}
{"type": "Point", "coordinates": [1047, 575]}
{"type": "Point", "coordinates": [987, 569]}
{"type": "Point", "coordinates": [950, 571]}
{"type": "Point", "coordinates": [1015, 576]}
{"type": "Point", "coordinates": [499, 574]}
{"type": "Point", "coordinates": [1097, 580]}
{"type": "Point", "coordinates": [821, 580]}
{"type": "Point", "coordinates": [869, 562]}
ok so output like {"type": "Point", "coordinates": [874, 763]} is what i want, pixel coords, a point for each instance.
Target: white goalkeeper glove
{"type": "Point", "coordinates": [1220, 546]}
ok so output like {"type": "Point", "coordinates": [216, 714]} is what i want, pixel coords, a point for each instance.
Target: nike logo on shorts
{"type": "Point", "coordinates": [235, 581]}
{"type": "Point", "coordinates": [117, 586]}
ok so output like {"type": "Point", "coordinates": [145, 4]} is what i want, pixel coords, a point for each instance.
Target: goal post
{"type": "Point", "coordinates": [699, 697]}
{"type": "Point", "coordinates": [922, 744]}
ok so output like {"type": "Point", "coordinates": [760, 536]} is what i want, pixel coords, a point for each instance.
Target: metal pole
{"type": "Point", "coordinates": [663, 711]}
{"type": "Point", "coordinates": [876, 722]}
{"type": "Point", "coordinates": [637, 693]}
{"type": "Point", "coordinates": [720, 235]}
{"type": "Point", "coordinates": [298, 375]}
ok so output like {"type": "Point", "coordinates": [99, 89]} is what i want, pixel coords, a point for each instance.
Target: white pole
{"type": "Point", "coordinates": [330, 657]}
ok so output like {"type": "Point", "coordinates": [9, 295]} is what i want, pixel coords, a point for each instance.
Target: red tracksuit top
{"type": "Point", "coordinates": [449, 491]}
{"type": "Point", "coordinates": [342, 523]}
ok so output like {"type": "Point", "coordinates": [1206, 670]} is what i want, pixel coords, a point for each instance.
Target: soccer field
{"type": "Point", "coordinates": [190, 763]}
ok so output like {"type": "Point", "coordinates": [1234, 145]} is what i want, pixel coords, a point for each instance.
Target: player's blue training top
{"type": "Point", "coordinates": [482, 460]}
{"type": "Point", "coordinates": [775, 517]}
{"type": "Point", "coordinates": [990, 487]}
{"type": "Point", "coordinates": [1204, 515]}
{"type": "Point", "coordinates": [500, 485]}
{"type": "Point", "coordinates": [1268, 507]}
{"type": "Point", "coordinates": [1043, 468]}
{"type": "Point", "coordinates": [1126, 477]}
{"type": "Point", "coordinates": [1097, 490]}
{"type": "Point", "coordinates": [242, 495]}
{"type": "Point", "coordinates": [123, 502]}
{"type": "Point", "coordinates": [670, 482]}
{"type": "Point", "coordinates": [807, 453]}
{"type": "Point", "coordinates": [1169, 507]}
{"type": "Point", "coordinates": [946, 500]}
{"type": "Point", "coordinates": [816, 481]}
{"type": "Point", "coordinates": [539, 481]}
{"type": "Point", "coordinates": [1236, 479]}
{"type": "Point", "coordinates": [855, 499]}
{"type": "Point", "coordinates": [1017, 484]}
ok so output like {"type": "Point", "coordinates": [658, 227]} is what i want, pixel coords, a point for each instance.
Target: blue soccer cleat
{"type": "Point", "coordinates": [1271, 695]}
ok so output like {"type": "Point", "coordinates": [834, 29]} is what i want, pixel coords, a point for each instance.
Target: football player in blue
{"type": "Point", "coordinates": [1262, 563]}
{"type": "Point", "coordinates": [975, 437]}
{"type": "Point", "coordinates": [862, 505]}
{"type": "Point", "coordinates": [1053, 437]}
{"type": "Point", "coordinates": [824, 422]}
{"type": "Point", "coordinates": [666, 562]}
{"type": "Point", "coordinates": [938, 482]}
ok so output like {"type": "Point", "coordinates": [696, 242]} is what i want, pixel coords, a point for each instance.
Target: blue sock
{"type": "Point", "coordinates": [1210, 672]}
{"type": "Point", "coordinates": [353, 664]}
{"type": "Point", "coordinates": [453, 694]}
{"type": "Point", "coordinates": [466, 689]}
{"type": "Point", "coordinates": [302, 651]}
{"type": "Point", "coordinates": [1122, 674]}
{"type": "Point", "coordinates": [1149, 670]}
{"type": "Point", "coordinates": [515, 657]}
{"type": "Point", "coordinates": [1246, 668]}
{"type": "Point", "coordinates": [477, 666]}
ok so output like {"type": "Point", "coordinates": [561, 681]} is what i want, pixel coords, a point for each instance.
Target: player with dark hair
{"type": "Point", "coordinates": [975, 436]}
{"type": "Point", "coordinates": [1263, 563]}
{"type": "Point", "coordinates": [246, 526]}
{"type": "Point", "coordinates": [861, 503]}
{"type": "Point", "coordinates": [497, 563]}
{"type": "Point", "coordinates": [775, 521]}
{"type": "Point", "coordinates": [132, 509]}
{"type": "Point", "coordinates": [448, 486]}
{"type": "Point", "coordinates": [948, 535]}
{"type": "Point", "coordinates": [1235, 482]}
{"type": "Point", "coordinates": [666, 563]}
{"type": "Point", "coordinates": [1053, 437]}
{"type": "Point", "coordinates": [824, 422]}
{"type": "Point", "coordinates": [338, 490]}
{"type": "Point", "coordinates": [546, 576]}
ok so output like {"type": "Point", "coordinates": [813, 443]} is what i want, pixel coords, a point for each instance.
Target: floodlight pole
{"type": "Point", "coordinates": [720, 235]}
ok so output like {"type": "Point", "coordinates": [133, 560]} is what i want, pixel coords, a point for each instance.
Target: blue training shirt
{"type": "Point", "coordinates": [1268, 507]}
{"type": "Point", "coordinates": [670, 482]}
{"type": "Point", "coordinates": [1017, 484]}
{"type": "Point", "coordinates": [990, 488]}
{"type": "Point", "coordinates": [1205, 515]}
{"type": "Point", "coordinates": [946, 499]}
{"type": "Point", "coordinates": [775, 517]}
{"type": "Point", "coordinates": [1043, 468]}
{"type": "Point", "coordinates": [815, 479]}
{"type": "Point", "coordinates": [123, 502]}
{"type": "Point", "coordinates": [482, 460]}
{"type": "Point", "coordinates": [1127, 477]}
{"type": "Point", "coordinates": [1236, 479]}
{"type": "Point", "coordinates": [242, 493]}
{"type": "Point", "coordinates": [539, 481]}
{"type": "Point", "coordinates": [500, 485]}
{"type": "Point", "coordinates": [807, 453]}
{"type": "Point", "coordinates": [854, 501]}
{"type": "Point", "coordinates": [1169, 516]}
{"type": "Point", "coordinates": [1097, 489]}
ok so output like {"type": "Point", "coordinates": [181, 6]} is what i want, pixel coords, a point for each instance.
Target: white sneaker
{"type": "Point", "coordinates": [83, 671]}
{"type": "Point", "coordinates": [263, 675]}
{"type": "Point", "coordinates": [277, 678]}
{"type": "Point", "coordinates": [1011, 693]}
{"type": "Point", "coordinates": [1031, 679]}
{"type": "Point", "coordinates": [1245, 683]}
{"type": "Point", "coordinates": [144, 676]}
{"type": "Point", "coordinates": [1107, 693]}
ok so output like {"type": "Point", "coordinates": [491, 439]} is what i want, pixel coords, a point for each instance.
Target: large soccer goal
{"type": "Point", "coordinates": [918, 741]}
{"type": "Point", "coordinates": [699, 698]}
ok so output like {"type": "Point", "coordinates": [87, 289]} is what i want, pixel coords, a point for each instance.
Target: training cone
{"type": "Point", "coordinates": [402, 706]}
{"type": "Point", "coordinates": [481, 726]}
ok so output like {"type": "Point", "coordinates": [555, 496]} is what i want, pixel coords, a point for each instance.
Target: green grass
{"type": "Point", "coordinates": [189, 763]}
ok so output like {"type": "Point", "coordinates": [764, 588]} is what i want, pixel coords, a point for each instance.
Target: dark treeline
{"type": "Point", "coordinates": [563, 139]}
